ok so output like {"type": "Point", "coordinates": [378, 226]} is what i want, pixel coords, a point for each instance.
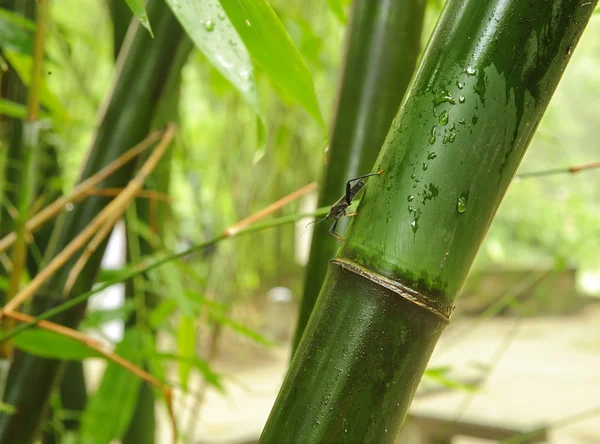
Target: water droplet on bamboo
{"type": "Point", "coordinates": [461, 99]}
{"type": "Point", "coordinates": [444, 118]}
{"type": "Point", "coordinates": [410, 198]}
{"type": "Point", "coordinates": [461, 204]}
{"type": "Point", "coordinates": [431, 156]}
{"type": "Point", "coordinates": [432, 138]}
{"type": "Point", "coordinates": [209, 25]}
{"type": "Point", "coordinates": [470, 71]}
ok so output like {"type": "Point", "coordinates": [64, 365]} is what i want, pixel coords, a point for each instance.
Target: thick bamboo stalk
{"type": "Point", "coordinates": [381, 52]}
{"type": "Point", "coordinates": [485, 80]}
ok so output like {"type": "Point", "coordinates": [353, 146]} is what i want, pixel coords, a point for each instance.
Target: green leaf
{"type": "Point", "coordinates": [96, 318]}
{"type": "Point", "coordinates": [199, 364]}
{"type": "Point", "coordinates": [271, 47]}
{"type": "Point", "coordinates": [110, 410]}
{"type": "Point", "coordinates": [212, 33]}
{"type": "Point", "coordinates": [7, 408]}
{"type": "Point", "coordinates": [339, 9]}
{"type": "Point", "coordinates": [16, 32]}
{"type": "Point", "coordinates": [47, 344]}
{"type": "Point", "coordinates": [22, 65]}
{"type": "Point", "coordinates": [186, 346]}
{"type": "Point", "coordinates": [12, 109]}
{"type": "Point", "coordinates": [139, 10]}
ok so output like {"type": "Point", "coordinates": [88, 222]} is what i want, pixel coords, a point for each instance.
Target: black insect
{"type": "Point", "coordinates": [338, 209]}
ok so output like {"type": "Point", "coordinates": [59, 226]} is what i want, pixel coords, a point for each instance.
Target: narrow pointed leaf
{"type": "Point", "coordinates": [186, 346]}
{"type": "Point", "coordinates": [16, 32]}
{"type": "Point", "coordinates": [102, 421]}
{"type": "Point", "coordinates": [271, 47]}
{"type": "Point", "coordinates": [139, 10]}
{"type": "Point", "coordinates": [47, 344]}
{"type": "Point", "coordinates": [339, 9]}
{"type": "Point", "coordinates": [207, 25]}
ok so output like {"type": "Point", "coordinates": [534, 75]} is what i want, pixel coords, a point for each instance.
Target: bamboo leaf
{"type": "Point", "coordinates": [47, 344]}
{"type": "Point", "coordinates": [271, 47]}
{"type": "Point", "coordinates": [96, 318]}
{"type": "Point", "coordinates": [12, 109]}
{"type": "Point", "coordinates": [7, 409]}
{"type": "Point", "coordinates": [212, 33]}
{"type": "Point", "coordinates": [100, 422]}
{"type": "Point", "coordinates": [139, 10]}
{"type": "Point", "coordinates": [16, 32]}
{"type": "Point", "coordinates": [22, 65]}
{"type": "Point", "coordinates": [186, 345]}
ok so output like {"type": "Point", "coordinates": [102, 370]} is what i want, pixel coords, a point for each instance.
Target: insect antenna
{"type": "Point", "coordinates": [316, 221]}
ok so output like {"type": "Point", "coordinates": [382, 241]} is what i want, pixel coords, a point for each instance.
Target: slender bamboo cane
{"type": "Point", "coordinates": [485, 80]}
{"type": "Point", "coordinates": [381, 52]}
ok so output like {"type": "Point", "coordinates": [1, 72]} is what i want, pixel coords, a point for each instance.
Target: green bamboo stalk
{"type": "Point", "coordinates": [381, 52]}
{"type": "Point", "coordinates": [143, 424]}
{"type": "Point", "coordinates": [485, 80]}
{"type": "Point", "coordinates": [121, 16]}
{"type": "Point", "coordinates": [29, 167]}
{"type": "Point", "coordinates": [143, 66]}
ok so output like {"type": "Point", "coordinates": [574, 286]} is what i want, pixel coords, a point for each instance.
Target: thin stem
{"type": "Point", "coordinates": [569, 170]}
{"type": "Point", "coordinates": [117, 205]}
{"type": "Point", "coordinates": [144, 268]}
{"type": "Point", "coordinates": [82, 190]}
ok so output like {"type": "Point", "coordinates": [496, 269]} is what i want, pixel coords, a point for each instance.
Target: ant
{"type": "Point", "coordinates": [338, 209]}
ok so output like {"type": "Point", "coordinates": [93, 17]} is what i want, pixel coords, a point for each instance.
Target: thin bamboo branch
{"type": "Point", "coordinates": [81, 190]}
{"type": "Point", "coordinates": [144, 267]}
{"type": "Point", "coordinates": [129, 192]}
{"type": "Point", "coordinates": [91, 247]}
{"type": "Point", "coordinates": [147, 194]}
{"type": "Point", "coordinates": [568, 170]}
{"type": "Point", "coordinates": [232, 230]}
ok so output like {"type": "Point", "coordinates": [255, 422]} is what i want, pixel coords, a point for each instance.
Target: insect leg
{"type": "Point", "coordinates": [333, 232]}
{"type": "Point", "coordinates": [349, 185]}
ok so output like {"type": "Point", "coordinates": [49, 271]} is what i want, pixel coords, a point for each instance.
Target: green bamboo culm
{"type": "Point", "coordinates": [125, 121]}
{"type": "Point", "coordinates": [483, 85]}
{"type": "Point", "coordinates": [382, 47]}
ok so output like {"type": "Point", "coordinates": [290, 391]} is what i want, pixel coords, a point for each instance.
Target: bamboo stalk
{"type": "Point", "coordinates": [117, 205]}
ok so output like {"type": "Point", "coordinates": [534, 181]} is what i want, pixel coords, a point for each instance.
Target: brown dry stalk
{"type": "Point", "coordinates": [81, 190]}
{"type": "Point", "coordinates": [118, 204]}
{"type": "Point", "coordinates": [232, 230]}
{"type": "Point", "coordinates": [99, 348]}
{"type": "Point", "coordinates": [148, 194]}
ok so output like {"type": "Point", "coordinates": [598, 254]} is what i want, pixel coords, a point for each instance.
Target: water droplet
{"type": "Point", "coordinates": [461, 99]}
{"type": "Point", "coordinates": [460, 85]}
{"type": "Point", "coordinates": [410, 198]}
{"type": "Point", "coordinates": [432, 138]}
{"type": "Point", "coordinates": [69, 206]}
{"type": "Point", "coordinates": [248, 22]}
{"type": "Point", "coordinates": [444, 97]}
{"type": "Point", "coordinates": [431, 156]}
{"type": "Point", "coordinates": [209, 25]}
{"type": "Point", "coordinates": [445, 140]}
{"type": "Point", "coordinates": [413, 175]}
{"type": "Point", "coordinates": [461, 204]}
{"type": "Point", "coordinates": [232, 42]}
{"type": "Point", "coordinates": [444, 118]}
{"type": "Point", "coordinates": [475, 120]}
{"type": "Point", "coordinates": [221, 16]}
{"type": "Point", "coordinates": [415, 226]}
{"type": "Point", "coordinates": [425, 166]}
{"type": "Point", "coordinates": [462, 121]}
{"type": "Point", "coordinates": [470, 71]}
{"type": "Point", "coordinates": [452, 138]}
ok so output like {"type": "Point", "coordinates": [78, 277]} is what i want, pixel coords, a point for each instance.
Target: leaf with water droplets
{"type": "Point", "coordinates": [139, 10]}
{"type": "Point", "coordinates": [271, 47]}
{"type": "Point", "coordinates": [212, 32]}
